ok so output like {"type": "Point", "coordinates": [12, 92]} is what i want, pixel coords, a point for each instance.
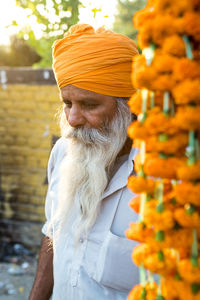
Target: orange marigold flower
{"type": "Point", "coordinates": [135, 102]}
{"type": "Point", "coordinates": [135, 204]}
{"type": "Point", "coordinates": [186, 68]}
{"type": "Point", "coordinates": [159, 220]}
{"type": "Point", "coordinates": [174, 45]}
{"type": "Point", "coordinates": [189, 272]}
{"type": "Point", "coordinates": [164, 63]}
{"type": "Point", "coordinates": [188, 117]}
{"type": "Point", "coordinates": [162, 83]}
{"type": "Point", "coordinates": [137, 130]}
{"type": "Point", "coordinates": [159, 167]}
{"type": "Point", "coordinates": [163, 265]}
{"type": "Point", "coordinates": [192, 25]}
{"type": "Point", "coordinates": [157, 122]}
{"type": "Point", "coordinates": [150, 292]}
{"type": "Point", "coordinates": [143, 78]}
{"type": "Point", "coordinates": [188, 192]}
{"type": "Point", "coordinates": [196, 4]}
{"type": "Point", "coordinates": [136, 292]}
{"type": "Point", "coordinates": [178, 289]}
{"type": "Point", "coordinates": [177, 238]}
{"type": "Point", "coordinates": [156, 76]}
{"type": "Point", "coordinates": [170, 287]}
{"type": "Point", "coordinates": [185, 172]}
{"type": "Point", "coordinates": [168, 7]}
{"type": "Point", "coordinates": [187, 91]}
{"type": "Point", "coordinates": [186, 219]}
{"type": "Point", "coordinates": [142, 16]}
{"type": "Point", "coordinates": [164, 26]}
{"type": "Point", "coordinates": [139, 184]}
{"type": "Point", "coordinates": [172, 144]}
{"type": "Point", "coordinates": [139, 232]}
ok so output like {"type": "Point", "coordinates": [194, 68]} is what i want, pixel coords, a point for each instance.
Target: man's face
{"type": "Point", "coordinates": [87, 109]}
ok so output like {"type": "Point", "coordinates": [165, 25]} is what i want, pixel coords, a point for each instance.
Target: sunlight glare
{"type": "Point", "coordinates": [95, 12]}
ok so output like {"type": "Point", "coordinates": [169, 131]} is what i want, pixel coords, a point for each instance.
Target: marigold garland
{"type": "Point", "coordinates": [167, 102]}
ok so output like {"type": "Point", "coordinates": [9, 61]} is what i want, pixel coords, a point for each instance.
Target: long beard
{"type": "Point", "coordinates": [85, 171]}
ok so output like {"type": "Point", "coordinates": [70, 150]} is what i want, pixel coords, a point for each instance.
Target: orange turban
{"type": "Point", "coordinates": [98, 61]}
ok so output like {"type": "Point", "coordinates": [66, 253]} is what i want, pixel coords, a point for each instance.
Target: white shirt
{"type": "Point", "coordinates": [101, 267]}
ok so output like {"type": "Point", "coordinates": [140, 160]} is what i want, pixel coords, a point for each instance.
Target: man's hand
{"type": "Point", "coordinates": [43, 284]}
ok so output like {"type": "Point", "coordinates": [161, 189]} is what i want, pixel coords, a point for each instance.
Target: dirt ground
{"type": "Point", "coordinates": [16, 280]}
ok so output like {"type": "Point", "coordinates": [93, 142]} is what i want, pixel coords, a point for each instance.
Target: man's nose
{"type": "Point", "coordinates": [75, 117]}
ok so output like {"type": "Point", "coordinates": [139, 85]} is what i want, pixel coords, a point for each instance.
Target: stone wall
{"type": "Point", "coordinates": [29, 100]}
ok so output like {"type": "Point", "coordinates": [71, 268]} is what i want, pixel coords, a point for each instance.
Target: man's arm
{"type": "Point", "coordinates": [43, 284]}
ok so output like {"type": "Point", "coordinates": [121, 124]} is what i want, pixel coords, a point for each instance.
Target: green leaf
{"type": "Point", "coordinates": [195, 288]}
{"type": "Point", "coordinates": [190, 209]}
{"type": "Point", "coordinates": [163, 137]}
{"type": "Point", "coordinates": [177, 276]}
{"type": "Point", "coordinates": [163, 155]}
{"type": "Point", "coordinates": [160, 236]}
{"type": "Point", "coordinates": [160, 207]}
{"type": "Point", "coordinates": [161, 256]}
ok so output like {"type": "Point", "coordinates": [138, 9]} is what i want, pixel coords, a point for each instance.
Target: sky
{"type": "Point", "coordinates": [9, 11]}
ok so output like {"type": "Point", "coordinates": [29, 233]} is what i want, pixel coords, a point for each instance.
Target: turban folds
{"type": "Point", "coordinates": [98, 61]}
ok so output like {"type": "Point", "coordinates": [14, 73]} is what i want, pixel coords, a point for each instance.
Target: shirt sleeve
{"type": "Point", "coordinates": [48, 203]}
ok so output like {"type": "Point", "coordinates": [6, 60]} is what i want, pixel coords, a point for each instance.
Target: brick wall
{"type": "Point", "coordinates": [29, 100]}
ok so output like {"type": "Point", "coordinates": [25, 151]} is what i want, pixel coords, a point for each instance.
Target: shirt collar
{"type": "Point", "coordinates": [120, 178]}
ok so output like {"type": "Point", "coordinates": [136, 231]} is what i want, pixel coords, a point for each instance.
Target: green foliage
{"type": "Point", "coordinates": [124, 19]}
{"type": "Point", "coordinates": [18, 53]}
{"type": "Point", "coordinates": [55, 18]}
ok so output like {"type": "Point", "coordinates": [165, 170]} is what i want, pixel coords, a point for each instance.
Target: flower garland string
{"type": "Point", "coordinates": [166, 76]}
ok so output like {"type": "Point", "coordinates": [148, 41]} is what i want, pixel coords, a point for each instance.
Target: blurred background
{"type": "Point", "coordinates": [29, 101]}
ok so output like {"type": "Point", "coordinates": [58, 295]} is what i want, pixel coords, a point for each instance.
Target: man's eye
{"type": "Point", "coordinates": [90, 105]}
{"type": "Point", "coordinates": [67, 104]}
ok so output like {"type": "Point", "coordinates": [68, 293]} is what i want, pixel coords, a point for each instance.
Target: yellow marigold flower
{"type": "Point", "coordinates": [189, 272]}
{"type": "Point", "coordinates": [187, 91]}
{"type": "Point", "coordinates": [188, 192]}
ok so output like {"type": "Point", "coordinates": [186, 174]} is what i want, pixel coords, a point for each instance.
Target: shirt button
{"type": "Point", "coordinates": [81, 240]}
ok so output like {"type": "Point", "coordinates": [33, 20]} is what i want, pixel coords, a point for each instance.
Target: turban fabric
{"type": "Point", "coordinates": [98, 61]}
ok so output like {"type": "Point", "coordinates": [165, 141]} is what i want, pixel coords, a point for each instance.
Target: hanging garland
{"type": "Point", "coordinates": [167, 102]}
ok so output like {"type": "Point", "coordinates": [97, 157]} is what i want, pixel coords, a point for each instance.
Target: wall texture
{"type": "Point", "coordinates": [28, 128]}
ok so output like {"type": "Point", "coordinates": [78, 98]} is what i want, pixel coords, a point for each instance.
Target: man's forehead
{"type": "Point", "coordinates": [72, 92]}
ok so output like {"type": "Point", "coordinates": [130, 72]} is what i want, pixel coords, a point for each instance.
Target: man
{"type": "Point", "coordinates": [84, 253]}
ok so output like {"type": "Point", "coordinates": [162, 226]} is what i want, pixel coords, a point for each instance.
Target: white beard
{"type": "Point", "coordinates": [85, 171]}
